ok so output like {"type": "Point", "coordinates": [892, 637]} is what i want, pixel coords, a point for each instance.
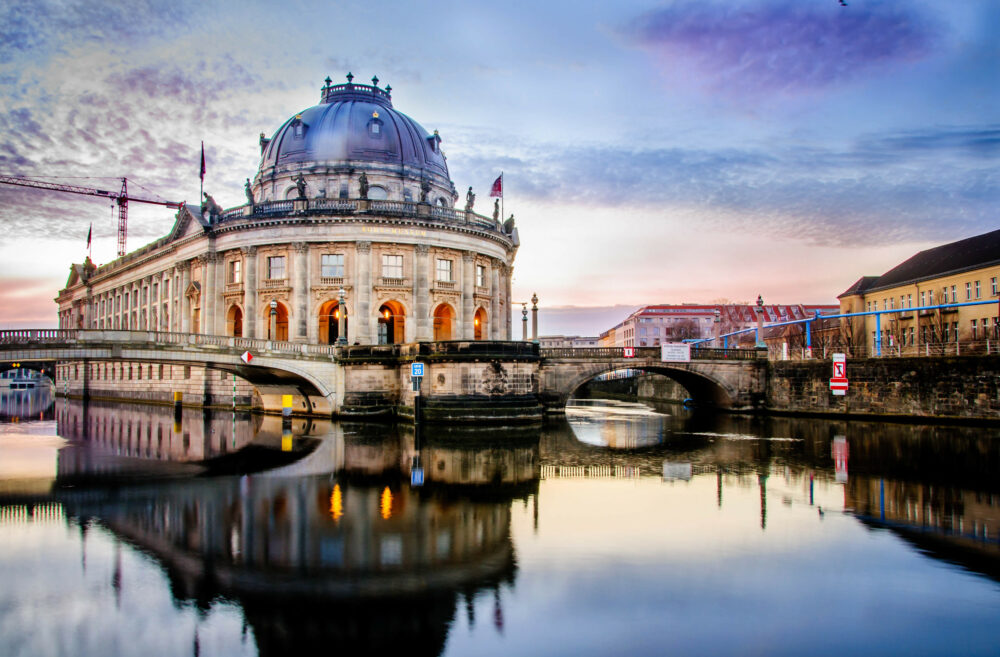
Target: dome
{"type": "Point", "coordinates": [352, 125]}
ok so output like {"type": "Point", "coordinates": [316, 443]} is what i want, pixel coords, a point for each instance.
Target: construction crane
{"type": "Point", "coordinates": [120, 198]}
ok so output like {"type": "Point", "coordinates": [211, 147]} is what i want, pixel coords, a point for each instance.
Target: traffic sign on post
{"type": "Point", "coordinates": [838, 383]}
{"type": "Point", "coordinates": [628, 352]}
{"type": "Point", "coordinates": [246, 357]}
{"type": "Point", "coordinates": [416, 369]}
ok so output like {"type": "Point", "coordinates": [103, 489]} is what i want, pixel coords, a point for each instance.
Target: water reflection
{"type": "Point", "coordinates": [29, 404]}
{"type": "Point", "coordinates": [297, 538]}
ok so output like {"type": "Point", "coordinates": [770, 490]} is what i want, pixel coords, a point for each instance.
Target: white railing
{"type": "Point", "coordinates": [272, 283]}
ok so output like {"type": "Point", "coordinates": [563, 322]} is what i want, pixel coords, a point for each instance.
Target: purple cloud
{"type": "Point", "coordinates": [783, 46]}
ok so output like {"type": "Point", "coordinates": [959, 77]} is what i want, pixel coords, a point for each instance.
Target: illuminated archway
{"type": "Point", "coordinates": [444, 320]}
{"type": "Point", "coordinates": [329, 322]}
{"type": "Point", "coordinates": [391, 323]}
{"type": "Point", "coordinates": [234, 321]}
{"type": "Point", "coordinates": [479, 326]}
{"type": "Point", "coordinates": [281, 323]}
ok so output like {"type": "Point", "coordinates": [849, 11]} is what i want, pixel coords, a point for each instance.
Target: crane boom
{"type": "Point", "coordinates": [121, 198]}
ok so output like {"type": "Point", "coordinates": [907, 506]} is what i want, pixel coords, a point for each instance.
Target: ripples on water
{"type": "Point", "coordinates": [622, 530]}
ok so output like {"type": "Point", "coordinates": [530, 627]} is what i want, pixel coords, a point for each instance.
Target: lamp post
{"type": "Point", "coordinates": [718, 323]}
{"type": "Point", "coordinates": [273, 332]}
{"type": "Point", "coordinates": [341, 319]}
{"type": "Point", "coordinates": [534, 317]}
{"type": "Point", "coordinates": [524, 322]}
{"type": "Point", "coordinates": [760, 322]}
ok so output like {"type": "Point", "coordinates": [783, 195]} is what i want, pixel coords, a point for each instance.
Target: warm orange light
{"type": "Point", "coordinates": [476, 321]}
{"type": "Point", "coordinates": [336, 503]}
{"type": "Point", "coordinates": [336, 313]}
{"type": "Point", "coordinates": [386, 313]}
{"type": "Point", "coordinates": [386, 504]}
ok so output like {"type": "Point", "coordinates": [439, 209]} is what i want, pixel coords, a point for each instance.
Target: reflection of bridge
{"type": "Point", "coordinates": [477, 380]}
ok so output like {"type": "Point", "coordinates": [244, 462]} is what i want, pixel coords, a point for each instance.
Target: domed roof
{"type": "Point", "coordinates": [354, 122]}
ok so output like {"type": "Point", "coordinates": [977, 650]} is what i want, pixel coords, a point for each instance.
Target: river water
{"type": "Point", "coordinates": [624, 530]}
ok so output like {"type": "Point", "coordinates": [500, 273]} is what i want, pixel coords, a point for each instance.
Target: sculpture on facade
{"type": "Point", "coordinates": [470, 200]}
{"type": "Point", "coordinates": [508, 226]}
{"type": "Point", "coordinates": [209, 208]}
{"type": "Point", "coordinates": [248, 189]}
{"type": "Point", "coordinates": [425, 189]}
{"type": "Point", "coordinates": [300, 184]}
{"type": "Point", "coordinates": [363, 183]}
{"type": "Point", "coordinates": [496, 210]}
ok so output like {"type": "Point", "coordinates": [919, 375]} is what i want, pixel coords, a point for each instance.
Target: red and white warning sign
{"type": "Point", "coordinates": [838, 383]}
{"type": "Point", "coordinates": [246, 357]}
{"type": "Point", "coordinates": [628, 352]}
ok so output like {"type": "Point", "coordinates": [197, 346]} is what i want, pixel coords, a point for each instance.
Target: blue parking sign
{"type": "Point", "coordinates": [416, 369]}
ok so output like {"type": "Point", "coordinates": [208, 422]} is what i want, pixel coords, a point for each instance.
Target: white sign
{"type": "Point", "coordinates": [628, 352]}
{"type": "Point", "coordinates": [675, 352]}
{"type": "Point", "coordinates": [416, 369]}
{"type": "Point", "coordinates": [246, 357]}
{"type": "Point", "coordinates": [839, 366]}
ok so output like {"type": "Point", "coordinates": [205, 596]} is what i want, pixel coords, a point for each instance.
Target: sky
{"type": "Point", "coordinates": [652, 152]}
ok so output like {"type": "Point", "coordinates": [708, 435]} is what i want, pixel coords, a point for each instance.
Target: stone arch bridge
{"type": "Point", "coordinates": [464, 380]}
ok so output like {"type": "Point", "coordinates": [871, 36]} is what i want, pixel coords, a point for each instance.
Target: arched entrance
{"type": "Point", "coordinates": [281, 321]}
{"type": "Point", "coordinates": [329, 322]}
{"type": "Point", "coordinates": [444, 320]}
{"type": "Point", "coordinates": [479, 328]}
{"type": "Point", "coordinates": [391, 323]}
{"type": "Point", "coordinates": [234, 322]}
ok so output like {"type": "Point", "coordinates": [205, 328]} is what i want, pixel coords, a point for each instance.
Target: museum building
{"type": "Point", "coordinates": [351, 216]}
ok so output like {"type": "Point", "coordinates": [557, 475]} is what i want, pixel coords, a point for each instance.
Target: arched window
{"type": "Point", "coordinates": [329, 322]}
{"type": "Point", "coordinates": [377, 193]}
{"type": "Point", "coordinates": [444, 318]}
{"type": "Point", "coordinates": [479, 326]}
{"type": "Point", "coordinates": [391, 323]}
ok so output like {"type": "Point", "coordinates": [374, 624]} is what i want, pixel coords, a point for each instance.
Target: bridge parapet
{"type": "Point", "coordinates": [650, 353]}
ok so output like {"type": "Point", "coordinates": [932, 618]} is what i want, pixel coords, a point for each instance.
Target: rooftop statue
{"type": "Point", "coordinates": [470, 200]}
{"type": "Point", "coordinates": [363, 182]}
{"type": "Point", "coordinates": [209, 208]}
{"type": "Point", "coordinates": [300, 184]}
{"type": "Point", "coordinates": [248, 189]}
{"type": "Point", "coordinates": [496, 210]}
{"type": "Point", "coordinates": [508, 226]}
{"type": "Point", "coordinates": [425, 189]}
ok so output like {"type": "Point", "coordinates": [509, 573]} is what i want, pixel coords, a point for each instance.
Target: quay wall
{"type": "Point", "coordinates": [958, 387]}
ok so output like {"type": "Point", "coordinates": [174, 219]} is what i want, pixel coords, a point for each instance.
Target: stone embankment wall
{"type": "Point", "coordinates": [153, 383]}
{"type": "Point", "coordinates": [966, 387]}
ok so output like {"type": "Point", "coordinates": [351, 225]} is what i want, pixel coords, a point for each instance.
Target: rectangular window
{"type": "Point", "coordinates": [392, 266]}
{"type": "Point", "coordinates": [276, 267]}
{"type": "Point", "coordinates": [444, 270]}
{"type": "Point", "coordinates": [968, 291]}
{"type": "Point", "coordinates": [954, 294]}
{"type": "Point", "coordinates": [974, 331]}
{"type": "Point", "coordinates": [480, 276]}
{"type": "Point", "coordinates": [166, 289]}
{"type": "Point", "coordinates": [145, 290]}
{"type": "Point", "coordinates": [979, 293]}
{"type": "Point", "coordinates": [892, 303]}
{"type": "Point", "coordinates": [235, 271]}
{"type": "Point", "coordinates": [332, 265]}
{"type": "Point", "coordinates": [993, 286]}
{"type": "Point", "coordinates": [954, 328]}
{"type": "Point", "coordinates": [923, 298]}
{"type": "Point", "coordinates": [930, 297]}
{"type": "Point", "coordinates": [156, 291]}
{"type": "Point", "coordinates": [875, 305]}
{"type": "Point", "coordinates": [909, 300]}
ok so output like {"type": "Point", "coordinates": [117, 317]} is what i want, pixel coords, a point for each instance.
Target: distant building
{"type": "Point", "coordinates": [653, 325]}
{"type": "Point", "coordinates": [567, 341]}
{"type": "Point", "coordinates": [966, 270]}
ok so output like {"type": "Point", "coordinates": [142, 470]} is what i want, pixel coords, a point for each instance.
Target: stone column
{"type": "Point", "coordinates": [300, 293]}
{"type": "Point", "coordinates": [208, 293]}
{"type": "Point", "coordinates": [496, 323]}
{"type": "Point", "coordinates": [250, 312]}
{"type": "Point", "coordinates": [362, 320]}
{"type": "Point", "coordinates": [468, 290]}
{"type": "Point", "coordinates": [185, 301]}
{"type": "Point", "coordinates": [508, 274]}
{"type": "Point", "coordinates": [421, 295]}
{"type": "Point", "coordinates": [150, 303]}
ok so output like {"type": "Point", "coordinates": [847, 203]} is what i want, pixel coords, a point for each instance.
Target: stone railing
{"type": "Point", "coordinates": [273, 283]}
{"type": "Point", "coordinates": [361, 207]}
{"type": "Point", "coordinates": [36, 336]}
{"type": "Point", "coordinates": [234, 287]}
{"type": "Point", "coordinates": [331, 280]}
{"type": "Point", "coordinates": [649, 353]}
{"type": "Point", "coordinates": [445, 285]}
{"type": "Point", "coordinates": [392, 281]}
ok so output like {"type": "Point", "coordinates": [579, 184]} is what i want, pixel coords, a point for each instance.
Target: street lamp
{"type": "Point", "coordinates": [341, 319]}
{"type": "Point", "coordinates": [534, 317]}
{"type": "Point", "coordinates": [273, 333]}
{"type": "Point", "coordinates": [760, 322]}
{"type": "Point", "coordinates": [524, 322]}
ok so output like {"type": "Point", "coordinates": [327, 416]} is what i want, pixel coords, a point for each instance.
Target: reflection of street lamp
{"type": "Point", "coordinates": [273, 333]}
{"type": "Point", "coordinates": [341, 319]}
{"type": "Point", "coordinates": [760, 322]}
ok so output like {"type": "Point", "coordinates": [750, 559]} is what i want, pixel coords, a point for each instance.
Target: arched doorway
{"type": "Point", "coordinates": [444, 320]}
{"type": "Point", "coordinates": [329, 322]}
{"type": "Point", "coordinates": [234, 322]}
{"type": "Point", "coordinates": [479, 327]}
{"type": "Point", "coordinates": [391, 323]}
{"type": "Point", "coordinates": [281, 321]}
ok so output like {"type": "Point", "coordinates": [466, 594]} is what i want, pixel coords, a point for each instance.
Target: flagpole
{"type": "Point", "coordinates": [501, 197]}
{"type": "Point", "coordinates": [201, 189]}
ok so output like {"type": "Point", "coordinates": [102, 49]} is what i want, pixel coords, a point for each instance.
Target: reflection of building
{"type": "Point", "coordinates": [652, 325]}
{"type": "Point", "coordinates": [967, 270]}
{"type": "Point", "coordinates": [352, 205]}
{"type": "Point", "coordinates": [26, 403]}
{"type": "Point", "coordinates": [567, 341]}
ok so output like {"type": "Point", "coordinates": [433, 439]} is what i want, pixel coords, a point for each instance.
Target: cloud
{"type": "Point", "coordinates": [785, 46]}
{"type": "Point", "coordinates": [889, 186]}
{"type": "Point", "coordinates": [27, 302]}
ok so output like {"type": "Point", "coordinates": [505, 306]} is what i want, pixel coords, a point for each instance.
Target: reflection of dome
{"type": "Point", "coordinates": [356, 128]}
